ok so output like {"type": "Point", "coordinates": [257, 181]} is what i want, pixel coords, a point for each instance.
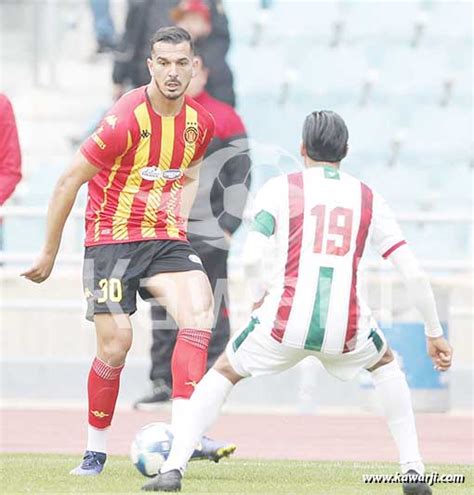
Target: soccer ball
{"type": "Point", "coordinates": [151, 447]}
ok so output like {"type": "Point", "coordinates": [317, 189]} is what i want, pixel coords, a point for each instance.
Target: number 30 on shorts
{"type": "Point", "coordinates": [111, 290]}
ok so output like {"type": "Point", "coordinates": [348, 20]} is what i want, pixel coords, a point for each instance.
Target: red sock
{"type": "Point", "coordinates": [102, 388]}
{"type": "Point", "coordinates": [189, 361]}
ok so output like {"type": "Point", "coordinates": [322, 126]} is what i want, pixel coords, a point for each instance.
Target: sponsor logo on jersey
{"type": "Point", "coordinates": [195, 259]}
{"type": "Point", "coordinates": [192, 382]}
{"type": "Point", "coordinates": [111, 120]}
{"type": "Point", "coordinates": [151, 173]}
{"type": "Point", "coordinates": [191, 133]}
{"type": "Point", "coordinates": [155, 173]}
{"type": "Point", "coordinates": [99, 414]}
{"type": "Point", "coordinates": [145, 134]}
{"type": "Point", "coordinates": [172, 174]}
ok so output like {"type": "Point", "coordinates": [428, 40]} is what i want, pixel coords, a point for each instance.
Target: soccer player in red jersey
{"type": "Point", "coordinates": [142, 166]}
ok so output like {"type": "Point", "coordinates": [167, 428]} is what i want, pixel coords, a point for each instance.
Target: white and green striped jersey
{"type": "Point", "coordinates": [320, 219]}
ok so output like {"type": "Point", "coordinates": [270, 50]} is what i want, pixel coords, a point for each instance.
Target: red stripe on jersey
{"type": "Point", "coordinates": [107, 150]}
{"type": "Point", "coordinates": [113, 196]}
{"type": "Point", "coordinates": [295, 239]}
{"type": "Point", "coordinates": [393, 248]}
{"type": "Point", "coordinates": [364, 224]}
{"type": "Point", "coordinates": [140, 200]}
{"type": "Point", "coordinates": [176, 160]}
{"type": "Point", "coordinates": [177, 210]}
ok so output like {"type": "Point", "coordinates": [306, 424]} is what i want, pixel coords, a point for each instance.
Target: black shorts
{"type": "Point", "coordinates": [112, 272]}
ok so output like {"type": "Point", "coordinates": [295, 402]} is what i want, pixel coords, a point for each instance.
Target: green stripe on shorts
{"type": "Point", "coordinates": [245, 333]}
{"type": "Point", "coordinates": [317, 325]}
{"type": "Point", "coordinates": [376, 339]}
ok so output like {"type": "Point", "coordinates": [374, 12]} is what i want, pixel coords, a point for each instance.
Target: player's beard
{"type": "Point", "coordinates": [173, 97]}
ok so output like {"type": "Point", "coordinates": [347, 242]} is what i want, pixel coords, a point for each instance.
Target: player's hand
{"type": "Point", "coordinates": [259, 303]}
{"type": "Point", "coordinates": [440, 352]}
{"type": "Point", "coordinates": [41, 269]}
{"type": "Point", "coordinates": [227, 237]}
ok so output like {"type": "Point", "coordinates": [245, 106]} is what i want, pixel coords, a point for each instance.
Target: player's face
{"type": "Point", "coordinates": [171, 68]}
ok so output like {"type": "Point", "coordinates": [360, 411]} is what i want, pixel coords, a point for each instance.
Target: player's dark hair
{"type": "Point", "coordinates": [172, 34]}
{"type": "Point", "coordinates": [325, 136]}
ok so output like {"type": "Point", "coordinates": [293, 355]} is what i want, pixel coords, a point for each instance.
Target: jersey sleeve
{"type": "Point", "coordinates": [107, 142]}
{"type": "Point", "coordinates": [264, 210]}
{"type": "Point", "coordinates": [207, 135]}
{"type": "Point", "coordinates": [386, 234]}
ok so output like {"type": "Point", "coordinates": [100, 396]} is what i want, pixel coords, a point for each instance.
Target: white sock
{"type": "Point", "coordinates": [179, 408]}
{"type": "Point", "coordinates": [97, 439]}
{"type": "Point", "coordinates": [202, 411]}
{"type": "Point", "coordinates": [394, 394]}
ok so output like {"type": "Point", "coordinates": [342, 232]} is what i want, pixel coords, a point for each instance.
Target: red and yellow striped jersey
{"type": "Point", "coordinates": [142, 158]}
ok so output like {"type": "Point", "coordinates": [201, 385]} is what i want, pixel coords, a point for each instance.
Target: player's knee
{"type": "Point", "coordinates": [202, 313]}
{"type": "Point", "coordinates": [224, 367]}
{"type": "Point", "coordinates": [114, 351]}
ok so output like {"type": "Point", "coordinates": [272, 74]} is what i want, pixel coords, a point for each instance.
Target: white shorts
{"type": "Point", "coordinates": [257, 353]}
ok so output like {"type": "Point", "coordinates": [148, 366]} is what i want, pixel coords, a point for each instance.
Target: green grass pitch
{"type": "Point", "coordinates": [48, 473]}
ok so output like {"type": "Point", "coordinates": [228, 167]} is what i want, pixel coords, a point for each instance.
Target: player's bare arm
{"type": "Point", "coordinates": [64, 195]}
{"type": "Point", "coordinates": [421, 294]}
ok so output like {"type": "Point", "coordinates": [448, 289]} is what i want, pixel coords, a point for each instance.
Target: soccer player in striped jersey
{"type": "Point", "coordinates": [320, 220]}
{"type": "Point", "coordinates": [142, 166]}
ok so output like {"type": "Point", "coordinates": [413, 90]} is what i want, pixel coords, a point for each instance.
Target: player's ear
{"type": "Point", "coordinates": [149, 63]}
{"type": "Point", "coordinates": [303, 150]}
{"type": "Point", "coordinates": [195, 66]}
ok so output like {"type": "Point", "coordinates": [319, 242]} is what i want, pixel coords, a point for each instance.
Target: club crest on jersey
{"type": "Point", "coordinates": [191, 133]}
{"type": "Point", "coordinates": [155, 173]}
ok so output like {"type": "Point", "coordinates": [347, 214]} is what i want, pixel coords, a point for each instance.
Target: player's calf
{"type": "Point", "coordinates": [189, 360]}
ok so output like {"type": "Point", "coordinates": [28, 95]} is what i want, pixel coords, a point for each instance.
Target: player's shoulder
{"type": "Point", "coordinates": [275, 185]}
{"type": "Point", "coordinates": [4, 101]}
{"type": "Point", "coordinates": [355, 181]}
{"type": "Point", "coordinates": [349, 178]}
{"type": "Point", "coordinates": [222, 108]}
{"type": "Point", "coordinates": [121, 116]}
{"type": "Point", "coordinates": [229, 125]}
{"type": "Point", "coordinates": [204, 116]}
{"type": "Point", "coordinates": [233, 123]}
{"type": "Point", "coordinates": [370, 193]}
{"type": "Point", "coordinates": [127, 103]}
{"type": "Point", "coordinates": [6, 106]}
